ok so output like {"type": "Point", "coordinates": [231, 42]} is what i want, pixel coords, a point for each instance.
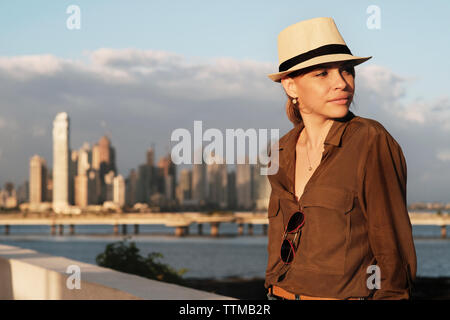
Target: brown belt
{"type": "Point", "coordinates": [280, 292]}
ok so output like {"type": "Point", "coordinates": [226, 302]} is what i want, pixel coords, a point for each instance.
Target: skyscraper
{"type": "Point", "coordinates": [150, 157]}
{"type": "Point", "coordinates": [94, 186]}
{"type": "Point", "coordinates": [131, 187]}
{"type": "Point", "coordinates": [84, 159]}
{"type": "Point", "coordinates": [183, 190]}
{"type": "Point", "coordinates": [104, 160]}
{"type": "Point", "coordinates": [109, 186]}
{"type": "Point", "coordinates": [61, 145]}
{"type": "Point", "coordinates": [83, 194]}
{"type": "Point", "coordinates": [199, 182]}
{"type": "Point", "coordinates": [145, 183]}
{"type": "Point", "coordinates": [261, 189]}
{"type": "Point", "coordinates": [96, 157]}
{"type": "Point", "coordinates": [167, 174]}
{"type": "Point", "coordinates": [73, 169]}
{"type": "Point", "coordinates": [119, 190]}
{"type": "Point", "coordinates": [38, 180]}
{"type": "Point", "coordinates": [106, 156]}
{"type": "Point", "coordinates": [231, 190]}
{"type": "Point", "coordinates": [81, 190]}
{"type": "Point", "coordinates": [244, 186]}
{"type": "Point", "coordinates": [217, 181]}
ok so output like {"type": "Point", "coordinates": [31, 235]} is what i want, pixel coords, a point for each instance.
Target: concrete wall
{"type": "Point", "coordinates": [27, 274]}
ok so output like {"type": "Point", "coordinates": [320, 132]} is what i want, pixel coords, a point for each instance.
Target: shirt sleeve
{"type": "Point", "coordinates": [389, 227]}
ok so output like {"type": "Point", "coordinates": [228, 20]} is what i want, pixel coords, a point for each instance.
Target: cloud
{"type": "Point", "coordinates": [25, 67]}
{"type": "Point", "coordinates": [2, 122]}
{"type": "Point", "coordinates": [141, 96]}
{"type": "Point", "coordinates": [138, 96]}
{"type": "Point", "coordinates": [443, 155]}
{"type": "Point", "coordinates": [388, 90]}
{"type": "Point", "coordinates": [420, 126]}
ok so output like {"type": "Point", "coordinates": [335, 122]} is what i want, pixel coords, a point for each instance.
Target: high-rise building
{"type": "Point", "coordinates": [84, 159]}
{"type": "Point", "coordinates": [199, 186]}
{"type": "Point", "coordinates": [8, 196]}
{"type": "Point", "coordinates": [81, 191]}
{"type": "Point", "coordinates": [38, 179]}
{"type": "Point", "coordinates": [131, 187]}
{"type": "Point", "coordinates": [73, 170]}
{"type": "Point", "coordinates": [119, 190]}
{"type": "Point", "coordinates": [49, 196]}
{"type": "Point", "coordinates": [96, 157]}
{"type": "Point", "coordinates": [104, 160]}
{"type": "Point", "coordinates": [151, 157]}
{"type": "Point", "coordinates": [183, 189]}
{"type": "Point", "coordinates": [231, 190]}
{"type": "Point", "coordinates": [106, 155]}
{"type": "Point", "coordinates": [94, 186]}
{"type": "Point", "coordinates": [85, 188]}
{"type": "Point", "coordinates": [61, 146]}
{"type": "Point", "coordinates": [217, 181]}
{"type": "Point", "coordinates": [199, 182]}
{"type": "Point", "coordinates": [261, 189]}
{"type": "Point", "coordinates": [167, 174]}
{"type": "Point", "coordinates": [145, 178]}
{"type": "Point", "coordinates": [244, 186]}
{"type": "Point", "coordinates": [23, 193]}
{"type": "Point", "coordinates": [109, 186]}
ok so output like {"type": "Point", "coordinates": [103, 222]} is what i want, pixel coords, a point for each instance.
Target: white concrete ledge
{"type": "Point", "coordinates": [27, 274]}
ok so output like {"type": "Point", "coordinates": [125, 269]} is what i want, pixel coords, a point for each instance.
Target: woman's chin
{"type": "Point", "coordinates": [339, 112]}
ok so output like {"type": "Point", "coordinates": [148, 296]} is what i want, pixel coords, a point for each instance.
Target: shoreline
{"type": "Point", "coordinates": [425, 288]}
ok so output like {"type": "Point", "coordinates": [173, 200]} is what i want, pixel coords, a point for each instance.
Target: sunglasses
{"type": "Point", "coordinates": [295, 223]}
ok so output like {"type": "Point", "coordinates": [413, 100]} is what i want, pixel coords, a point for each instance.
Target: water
{"type": "Point", "coordinates": [205, 257]}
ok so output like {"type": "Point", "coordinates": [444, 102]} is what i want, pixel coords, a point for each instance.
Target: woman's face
{"type": "Point", "coordinates": [325, 91]}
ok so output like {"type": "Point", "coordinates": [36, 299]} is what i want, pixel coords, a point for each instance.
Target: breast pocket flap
{"type": "Point", "coordinates": [328, 197]}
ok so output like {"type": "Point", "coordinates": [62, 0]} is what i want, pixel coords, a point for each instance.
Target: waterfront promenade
{"type": "Point", "coordinates": [180, 221]}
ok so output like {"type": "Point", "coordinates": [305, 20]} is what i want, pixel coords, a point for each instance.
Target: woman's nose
{"type": "Point", "coordinates": [339, 81]}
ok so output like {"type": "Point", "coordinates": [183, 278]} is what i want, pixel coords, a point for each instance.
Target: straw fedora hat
{"type": "Point", "coordinates": [309, 43]}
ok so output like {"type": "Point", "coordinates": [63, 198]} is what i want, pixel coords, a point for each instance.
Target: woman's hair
{"type": "Point", "coordinates": [292, 110]}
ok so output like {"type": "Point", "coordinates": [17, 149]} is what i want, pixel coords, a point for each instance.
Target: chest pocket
{"type": "Point", "coordinates": [332, 198]}
{"type": "Point", "coordinates": [326, 232]}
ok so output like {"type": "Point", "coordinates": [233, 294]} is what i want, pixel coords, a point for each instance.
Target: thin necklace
{"type": "Point", "coordinates": [307, 155]}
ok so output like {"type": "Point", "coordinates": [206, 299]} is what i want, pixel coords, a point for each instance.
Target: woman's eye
{"type": "Point", "coordinates": [348, 70]}
{"type": "Point", "coordinates": [324, 73]}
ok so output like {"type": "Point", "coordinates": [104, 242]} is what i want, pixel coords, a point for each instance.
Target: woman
{"type": "Point", "coordinates": [338, 222]}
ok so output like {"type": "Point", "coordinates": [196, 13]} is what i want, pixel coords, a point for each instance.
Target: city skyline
{"type": "Point", "coordinates": [86, 177]}
{"type": "Point", "coordinates": [139, 83]}
{"type": "Point", "coordinates": [87, 158]}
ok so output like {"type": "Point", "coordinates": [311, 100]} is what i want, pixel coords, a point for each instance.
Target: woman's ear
{"type": "Point", "coordinates": [290, 87]}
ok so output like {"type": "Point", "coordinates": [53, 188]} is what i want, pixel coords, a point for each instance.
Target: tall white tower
{"type": "Point", "coordinates": [61, 162]}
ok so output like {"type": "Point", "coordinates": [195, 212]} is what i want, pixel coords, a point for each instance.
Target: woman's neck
{"type": "Point", "coordinates": [315, 131]}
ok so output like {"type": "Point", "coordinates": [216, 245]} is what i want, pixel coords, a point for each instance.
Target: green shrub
{"type": "Point", "coordinates": [124, 256]}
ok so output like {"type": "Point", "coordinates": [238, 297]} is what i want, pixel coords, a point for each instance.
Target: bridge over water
{"type": "Point", "coordinates": [180, 221]}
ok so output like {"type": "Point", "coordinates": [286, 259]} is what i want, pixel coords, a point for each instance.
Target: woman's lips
{"type": "Point", "coordinates": [340, 101]}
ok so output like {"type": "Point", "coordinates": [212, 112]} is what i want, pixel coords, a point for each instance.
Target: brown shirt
{"type": "Point", "coordinates": [355, 216]}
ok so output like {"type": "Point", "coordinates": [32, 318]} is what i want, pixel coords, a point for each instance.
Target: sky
{"type": "Point", "coordinates": [140, 69]}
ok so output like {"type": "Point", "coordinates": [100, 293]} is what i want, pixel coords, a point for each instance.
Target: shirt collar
{"type": "Point", "coordinates": [334, 136]}
{"type": "Point", "coordinates": [289, 141]}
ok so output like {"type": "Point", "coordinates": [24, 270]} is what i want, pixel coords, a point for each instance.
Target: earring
{"type": "Point", "coordinates": [294, 101]}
